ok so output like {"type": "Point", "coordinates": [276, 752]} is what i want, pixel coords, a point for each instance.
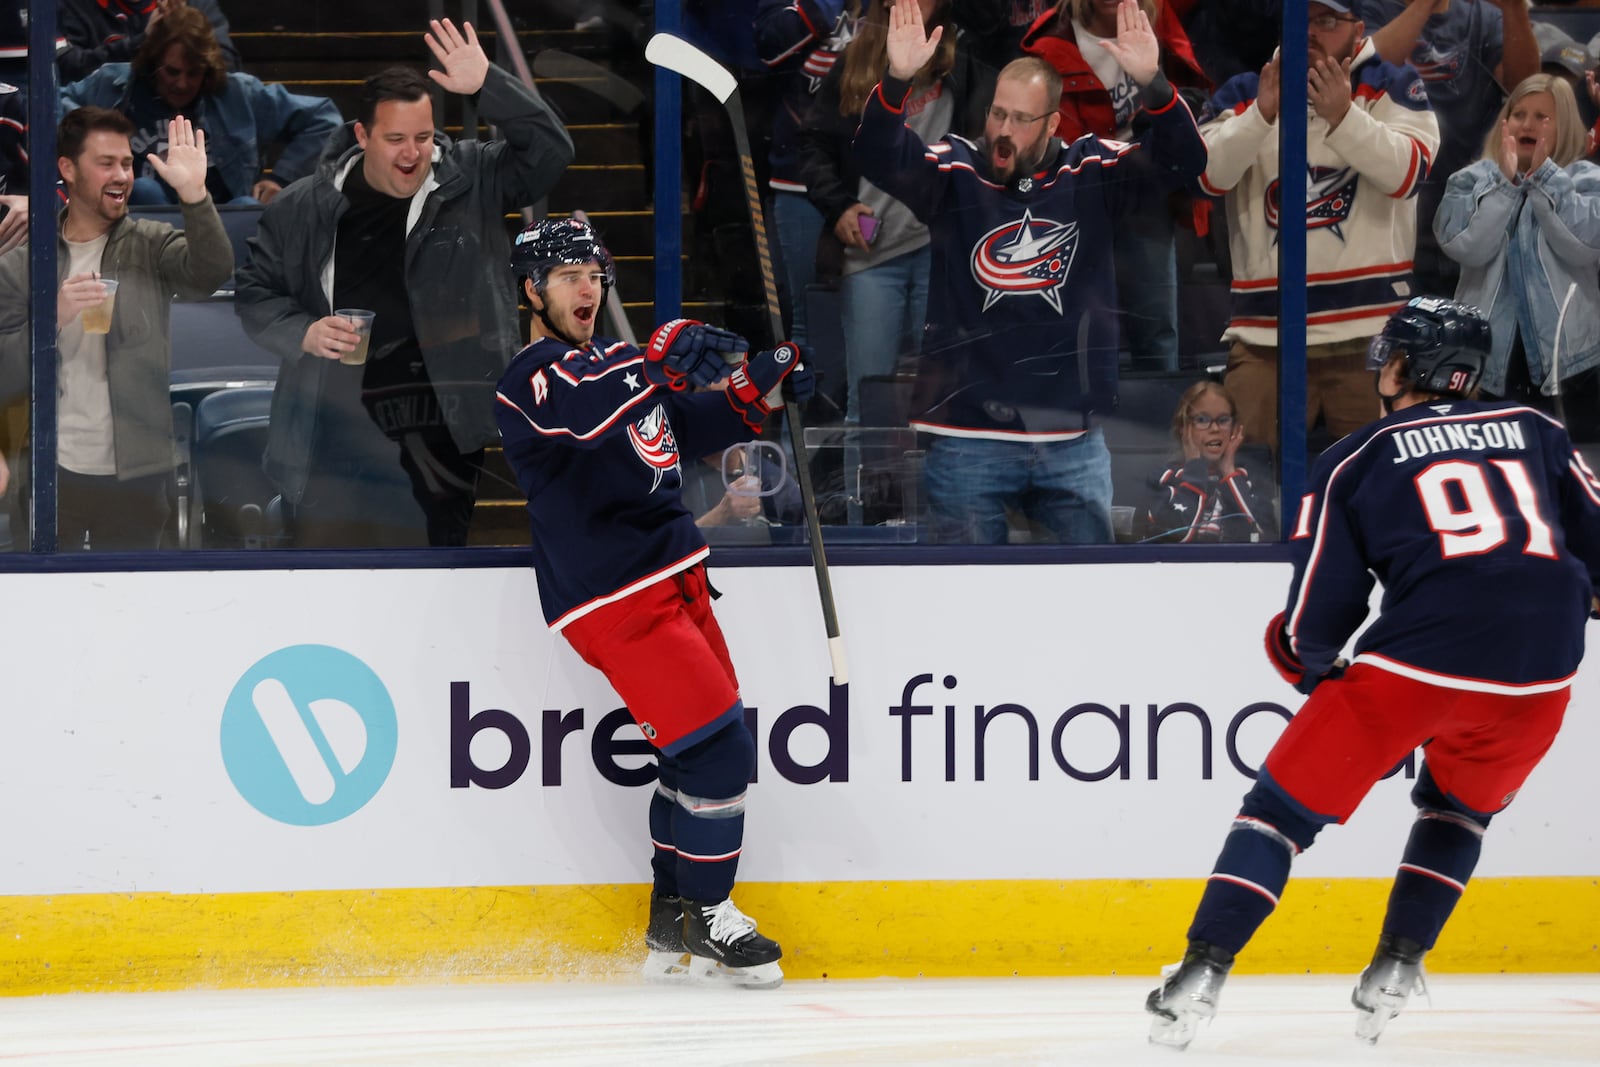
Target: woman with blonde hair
{"type": "Point", "coordinates": [1524, 223]}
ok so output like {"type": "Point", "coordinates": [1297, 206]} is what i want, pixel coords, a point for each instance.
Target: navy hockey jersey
{"type": "Point", "coordinates": [598, 451]}
{"type": "Point", "coordinates": [1483, 524]}
{"type": "Point", "coordinates": [1021, 340]}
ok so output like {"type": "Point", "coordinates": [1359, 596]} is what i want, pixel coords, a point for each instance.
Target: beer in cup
{"type": "Point", "coordinates": [361, 321]}
{"type": "Point", "coordinates": [97, 319]}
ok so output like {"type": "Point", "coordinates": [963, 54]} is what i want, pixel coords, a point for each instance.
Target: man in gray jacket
{"type": "Point", "coordinates": [409, 225]}
{"type": "Point", "coordinates": [114, 412]}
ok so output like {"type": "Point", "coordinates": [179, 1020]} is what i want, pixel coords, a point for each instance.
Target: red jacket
{"type": "Point", "coordinates": [1085, 103]}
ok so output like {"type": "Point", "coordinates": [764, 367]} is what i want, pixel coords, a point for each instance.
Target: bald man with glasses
{"type": "Point", "coordinates": [1022, 341]}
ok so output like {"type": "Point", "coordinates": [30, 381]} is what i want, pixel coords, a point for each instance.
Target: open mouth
{"type": "Point", "coordinates": [409, 170]}
{"type": "Point", "coordinates": [1004, 153]}
{"type": "Point", "coordinates": [117, 196]}
{"type": "Point", "coordinates": [584, 313]}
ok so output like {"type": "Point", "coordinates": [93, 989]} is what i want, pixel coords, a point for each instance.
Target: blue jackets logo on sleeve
{"type": "Point", "coordinates": [309, 735]}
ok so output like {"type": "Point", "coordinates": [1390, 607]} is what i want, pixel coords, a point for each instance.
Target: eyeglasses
{"type": "Point", "coordinates": [1329, 23]}
{"type": "Point", "coordinates": [1205, 422]}
{"type": "Point", "coordinates": [1002, 116]}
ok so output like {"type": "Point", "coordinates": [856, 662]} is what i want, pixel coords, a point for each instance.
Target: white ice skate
{"type": "Point", "coordinates": [724, 948]}
{"type": "Point", "coordinates": [1188, 994]}
{"type": "Point", "coordinates": [1385, 986]}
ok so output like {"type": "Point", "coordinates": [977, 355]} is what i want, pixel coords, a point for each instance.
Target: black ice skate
{"type": "Point", "coordinates": [725, 948]}
{"type": "Point", "coordinates": [668, 959]}
{"type": "Point", "coordinates": [1188, 994]}
{"type": "Point", "coordinates": [1387, 983]}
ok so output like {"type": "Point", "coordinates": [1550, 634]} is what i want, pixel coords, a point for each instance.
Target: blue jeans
{"type": "Point", "coordinates": [1065, 486]}
{"type": "Point", "coordinates": [885, 309]}
{"type": "Point", "coordinates": [797, 224]}
{"type": "Point", "coordinates": [1146, 257]}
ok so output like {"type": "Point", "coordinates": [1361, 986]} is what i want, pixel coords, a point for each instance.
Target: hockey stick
{"type": "Point", "coordinates": [687, 61]}
{"type": "Point", "coordinates": [1555, 354]}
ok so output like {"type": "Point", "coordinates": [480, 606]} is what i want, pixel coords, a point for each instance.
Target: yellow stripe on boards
{"type": "Point", "coordinates": [157, 941]}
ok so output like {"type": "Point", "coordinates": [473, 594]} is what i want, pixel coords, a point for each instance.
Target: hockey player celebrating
{"type": "Point", "coordinates": [1483, 523]}
{"type": "Point", "coordinates": [596, 431]}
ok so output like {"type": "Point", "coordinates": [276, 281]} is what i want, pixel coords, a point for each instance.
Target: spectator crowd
{"type": "Point", "coordinates": [1048, 242]}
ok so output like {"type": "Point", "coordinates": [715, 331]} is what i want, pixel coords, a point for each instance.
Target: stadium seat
{"type": "Point", "coordinates": [234, 504]}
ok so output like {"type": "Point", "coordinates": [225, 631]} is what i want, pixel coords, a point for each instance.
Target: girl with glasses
{"type": "Point", "coordinates": [1203, 494]}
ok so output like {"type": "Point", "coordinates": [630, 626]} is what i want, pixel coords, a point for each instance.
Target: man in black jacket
{"type": "Point", "coordinates": [411, 225]}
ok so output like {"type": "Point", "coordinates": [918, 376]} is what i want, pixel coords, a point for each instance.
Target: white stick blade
{"type": "Point", "coordinates": [841, 669]}
{"type": "Point", "coordinates": [681, 57]}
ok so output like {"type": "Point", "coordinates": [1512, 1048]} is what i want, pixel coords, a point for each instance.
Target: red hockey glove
{"type": "Point", "coordinates": [1287, 663]}
{"type": "Point", "coordinates": [750, 382]}
{"type": "Point", "coordinates": [685, 352]}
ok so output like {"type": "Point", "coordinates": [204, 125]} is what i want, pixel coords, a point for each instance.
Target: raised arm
{"type": "Point", "coordinates": [1473, 222]}
{"type": "Point", "coordinates": [535, 150]}
{"type": "Point", "coordinates": [197, 259]}
{"type": "Point", "coordinates": [1393, 143]}
{"type": "Point", "coordinates": [1567, 205]}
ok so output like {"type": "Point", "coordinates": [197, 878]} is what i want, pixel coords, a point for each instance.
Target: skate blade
{"type": "Point", "coordinates": [1370, 1022]}
{"type": "Point", "coordinates": [666, 967]}
{"type": "Point", "coordinates": [707, 971]}
{"type": "Point", "coordinates": [1175, 1025]}
{"type": "Point", "coordinates": [1174, 1033]}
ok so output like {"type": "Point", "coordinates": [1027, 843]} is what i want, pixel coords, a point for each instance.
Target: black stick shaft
{"type": "Point", "coordinates": [769, 281]}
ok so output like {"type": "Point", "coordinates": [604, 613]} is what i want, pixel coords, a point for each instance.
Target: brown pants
{"type": "Point", "coordinates": [1338, 387]}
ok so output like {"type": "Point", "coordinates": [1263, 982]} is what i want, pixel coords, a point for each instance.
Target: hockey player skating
{"type": "Point", "coordinates": [1483, 523]}
{"type": "Point", "coordinates": [596, 431]}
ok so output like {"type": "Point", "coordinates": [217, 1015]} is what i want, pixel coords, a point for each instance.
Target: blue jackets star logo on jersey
{"type": "Point", "coordinates": [1330, 194]}
{"type": "Point", "coordinates": [1024, 258]}
{"type": "Point", "coordinates": [1436, 64]}
{"type": "Point", "coordinates": [652, 439]}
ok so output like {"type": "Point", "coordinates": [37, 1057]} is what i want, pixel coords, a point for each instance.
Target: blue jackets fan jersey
{"type": "Point", "coordinates": [598, 452]}
{"type": "Point", "coordinates": [1021, 340]}
{"type": "Point", "coordinates": [1360, 215]}
{"type": "Point", "coordinates": [1483, 524]}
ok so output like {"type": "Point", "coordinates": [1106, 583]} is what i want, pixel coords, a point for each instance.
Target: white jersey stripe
{"type": "Point", "coordinates": [1471, 685]}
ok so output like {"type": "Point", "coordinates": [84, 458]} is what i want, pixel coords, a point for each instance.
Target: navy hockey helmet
{"type": "Point", "coordinates": [551, 243]}
{"type": "Point", "coordinates": [1445, 344]}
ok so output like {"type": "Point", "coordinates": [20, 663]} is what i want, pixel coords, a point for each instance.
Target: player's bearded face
{"type": "Point", "coordinates": [572, 299]}
{"type": "Point", "coordinates": [1019, 126]}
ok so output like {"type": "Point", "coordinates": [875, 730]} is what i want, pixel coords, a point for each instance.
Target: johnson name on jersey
{"type": "Point", "coordinates": [598, 451]}
{"type": "Point", "coordinates": [1482, 523]}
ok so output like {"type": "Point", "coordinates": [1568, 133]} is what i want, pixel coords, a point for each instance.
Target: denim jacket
{"type": "Point", "coordinates": [240, 123]}
{"type": "Point", "coordinates": [1520, 248]}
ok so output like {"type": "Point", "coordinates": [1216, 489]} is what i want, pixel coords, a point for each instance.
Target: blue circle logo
{"type": "Point", "coordinates": [309, 735]}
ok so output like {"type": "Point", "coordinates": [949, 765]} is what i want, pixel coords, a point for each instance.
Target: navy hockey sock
{"type": "Point", "coordinates": [664, 853]}
{"type": "Point", "coordinates": [708, 813]}
{"type": "Point", "coordinates": [1439, 859]}
{"type": "Point", "coordinates": [1253, 867]}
